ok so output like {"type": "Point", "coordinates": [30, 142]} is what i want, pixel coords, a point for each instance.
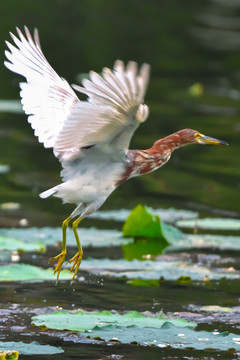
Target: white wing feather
{"type": "Point", "coordinates": [46, 97]}
{"type": "Point", "coordinates": [110, 116]}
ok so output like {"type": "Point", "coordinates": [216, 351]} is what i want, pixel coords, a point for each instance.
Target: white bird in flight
{"type": "Point", "coordinates": [90, 138]}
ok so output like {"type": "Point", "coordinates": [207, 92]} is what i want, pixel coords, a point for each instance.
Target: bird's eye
{"type": "Point", "coordinates": [197, 135]}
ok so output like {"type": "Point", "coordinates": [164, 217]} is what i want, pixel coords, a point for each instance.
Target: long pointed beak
{"type": "Point", "coordinates": [211, 141]}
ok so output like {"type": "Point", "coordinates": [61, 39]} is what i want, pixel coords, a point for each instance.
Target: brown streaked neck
{"type": "Point", "coordinates": [169, 143]}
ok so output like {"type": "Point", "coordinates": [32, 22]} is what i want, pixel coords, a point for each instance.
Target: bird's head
{"type": "Point", "coordinates": [192, 136]}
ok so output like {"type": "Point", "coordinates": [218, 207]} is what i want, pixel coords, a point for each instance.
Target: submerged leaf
{"type": "Point", "coordinates": [25, 272]}
{"type": "Point", "coordinates": [86, 321]}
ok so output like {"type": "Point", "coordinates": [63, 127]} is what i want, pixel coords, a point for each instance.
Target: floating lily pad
{"type": "Point", "coordinates": [88, 321]}
{"type": "Point", "coordinates": [12, 244]}
{"type": "Point", "coordinates": [9, 355]}
{"type": "Point", "coordinates": [154, 270]}
{"type": "Point", "coordinates": [211, 224]}
{"type": "Point", "coordinates": [52, 236]}
{"type": "Point", "coordinates": [202, 241]}
{"type": "Point", "coordinates": [167, 215]}
{"type": "Point", "coordinates": [135, 328]}
{"type": "Point", "coordinates": [33, 348]}
{"type": "Point", "coordinates": [25, 272]}
{"type": "Point", "coordinates": [170, 335]}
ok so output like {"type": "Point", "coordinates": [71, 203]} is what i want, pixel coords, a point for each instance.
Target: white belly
{"type": "Point", "coordinates": [89, 185]}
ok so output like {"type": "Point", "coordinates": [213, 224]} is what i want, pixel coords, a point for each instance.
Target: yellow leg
{"type": "Point", "coordinates": [77, 258]}
{"type": "Point", "coordinates": [60, 258]}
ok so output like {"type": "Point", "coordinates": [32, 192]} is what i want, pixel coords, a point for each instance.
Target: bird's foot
{"type": "Point", "coordinates": [76, 260]}
{"type": "Point", "coordinates": [60, 258]}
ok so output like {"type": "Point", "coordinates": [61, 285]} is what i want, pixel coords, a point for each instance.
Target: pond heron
{"type": "Point", "coordinates": [90, 138]}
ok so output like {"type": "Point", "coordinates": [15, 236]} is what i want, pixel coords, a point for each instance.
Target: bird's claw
{"type": "Point", "coordinates": [76, 260]}
{"type": "Point", "coordinates": [60, 258]}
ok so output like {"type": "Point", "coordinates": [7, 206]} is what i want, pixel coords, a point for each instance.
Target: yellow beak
{"type": "Point", "coordinates": [209, 140]}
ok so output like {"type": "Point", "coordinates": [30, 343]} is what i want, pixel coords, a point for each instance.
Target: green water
{"type": "Point", "coordinates": [186, 43]}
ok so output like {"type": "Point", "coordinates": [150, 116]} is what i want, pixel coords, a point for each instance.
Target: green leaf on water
{"type": "Point", "coordinates": [143, 248]}
{"type": "Point", "coordinates": [12, 244]}
{"type": "Point", "coordinates": [25, 272]}
{"type": "Point", "coordinates": [151, 235]}
{"type": "Point", "coordinates": [33, 348]}
{"type": "Point", "coordinates": [87, 321]}
{"type": "Point", "coordinates": [9, 355]}
{"type": "Point", "coordinates": [142, 223]}
{"type": "Point", "coordinates": [134, 327]}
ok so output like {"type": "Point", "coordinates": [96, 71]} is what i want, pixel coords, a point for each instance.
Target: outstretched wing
{"type": "Point", "coordinates": [46, 98]}
{"type": "Point", "coordinates": [112, 112]}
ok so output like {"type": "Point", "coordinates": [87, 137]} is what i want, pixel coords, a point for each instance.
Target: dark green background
{"type": "Point", "coordinates": [186, 42]}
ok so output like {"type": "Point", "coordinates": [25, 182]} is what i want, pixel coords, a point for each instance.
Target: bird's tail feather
{"type": "Point", "coordinates": [48, 193]}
